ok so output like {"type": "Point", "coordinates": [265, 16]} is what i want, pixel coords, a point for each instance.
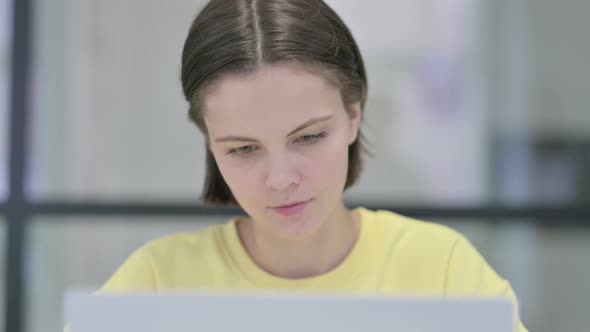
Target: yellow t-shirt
{"type": "Point", "coordinates": [393, 254]}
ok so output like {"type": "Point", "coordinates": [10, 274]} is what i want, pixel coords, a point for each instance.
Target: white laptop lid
{"type": "Point", "coordinates": [286, 313]}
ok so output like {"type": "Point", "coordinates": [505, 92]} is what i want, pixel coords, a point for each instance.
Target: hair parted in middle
{"type": "Point", "coordinates": [242, 36]}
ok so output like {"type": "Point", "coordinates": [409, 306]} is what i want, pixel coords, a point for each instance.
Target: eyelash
{"type": "Point", "coordinates": [246, 150]}
{"type": "Point", "coordinates": [313, 138]}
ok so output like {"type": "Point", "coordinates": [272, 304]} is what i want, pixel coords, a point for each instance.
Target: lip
{"type": "Point", "coordinates": [291, 209]}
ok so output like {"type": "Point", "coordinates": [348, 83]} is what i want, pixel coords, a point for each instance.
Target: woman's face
{"type": "Point", "coordinates": [280, 137]}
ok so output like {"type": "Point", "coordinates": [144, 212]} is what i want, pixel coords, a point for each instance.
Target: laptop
{"type": "Point", "coordinates": [246, 312]}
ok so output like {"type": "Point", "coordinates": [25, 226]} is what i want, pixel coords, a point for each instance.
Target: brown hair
{"type": "Point", "coordinates": [241, 36]}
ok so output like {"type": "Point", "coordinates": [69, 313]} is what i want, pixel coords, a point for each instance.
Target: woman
{"type": "Point", "coordinates": [278, 89]}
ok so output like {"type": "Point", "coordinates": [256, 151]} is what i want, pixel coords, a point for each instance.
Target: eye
{"type": "Point", "coordinates": [243, 150]}
{"type": "Point", "coordinates": [309, 139]}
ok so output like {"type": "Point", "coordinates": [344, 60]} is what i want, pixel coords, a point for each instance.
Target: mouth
{"type": "Point", "coordinates": [291, 209]}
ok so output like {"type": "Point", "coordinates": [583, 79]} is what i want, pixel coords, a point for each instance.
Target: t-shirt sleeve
{"type": "Point", "coordinates": [469, 274]}
{"type": "Point", "coordinates": [137, 273]}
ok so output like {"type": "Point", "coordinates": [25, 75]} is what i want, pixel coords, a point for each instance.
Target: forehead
{"type": "Point", "coordinates": [281, 94]}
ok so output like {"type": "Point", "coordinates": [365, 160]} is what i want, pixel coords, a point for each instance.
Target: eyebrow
{"type": "Point", "coordinates": [299, 128]}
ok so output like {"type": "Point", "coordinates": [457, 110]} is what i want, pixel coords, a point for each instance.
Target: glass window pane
{"type": "Point", "coordinates": [113, 125]}
{"type": "Point", "coordinates": [110, 120]}
{"type": "Point", "coordinates": [463, 108]}
{"type": "Point", "coordinates": [424, 118]}
{"type": "Point", "coordinates": [5, 47]}
{"type": "Point", "coordinates": [541, 131]}
{"type": "Point", "coordinates": [546, 266]}
{"type": "Point", "coordinates": [84, 252]}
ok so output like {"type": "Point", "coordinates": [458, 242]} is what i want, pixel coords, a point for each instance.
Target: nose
{"type": "Point", "coordinates": [281, 174]}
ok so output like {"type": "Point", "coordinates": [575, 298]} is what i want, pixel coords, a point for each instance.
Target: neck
{"type": "Point", "coordinates": [305, 257]}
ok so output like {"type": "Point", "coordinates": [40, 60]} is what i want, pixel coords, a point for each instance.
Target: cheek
{"type": "Point", "coordinates": [329, 165]}
{"type": "Point", "coordinates": [238, 176]}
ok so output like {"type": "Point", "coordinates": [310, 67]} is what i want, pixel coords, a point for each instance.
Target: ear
{"type": "Point", "coordinates": [354, 117]}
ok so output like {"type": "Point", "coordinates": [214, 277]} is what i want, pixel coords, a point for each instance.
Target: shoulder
{"type": "Point", "coordinates": [201, 242]}
{"type": "Point", "coordinates": [409, 241]}
{"type": "Point", "coordinates": [431, 256]}
{"type": "Point", "coordinates": [438, 246]}
{"type": "Point", "coordinates": [430, 252]}
{"type": "Point", "coordinates": [408, 231]}
{"type": "Point", "coordinates": [164, 261]}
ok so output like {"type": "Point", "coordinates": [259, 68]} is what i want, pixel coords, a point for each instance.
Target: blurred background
{"type": "Point", "coordinates": [477, 117]}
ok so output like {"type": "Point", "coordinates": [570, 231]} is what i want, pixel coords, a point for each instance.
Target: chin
{"type": "Point", "coordinates": [295, 227]}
